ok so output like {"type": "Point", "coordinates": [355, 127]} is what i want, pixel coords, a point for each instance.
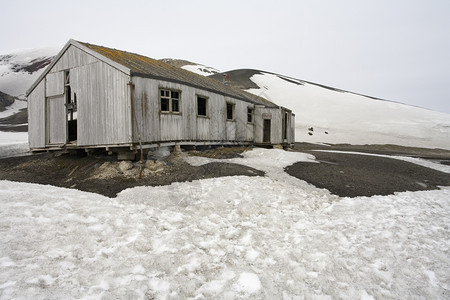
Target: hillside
{"type": "Point", "coordinates": [18, 70]}
{"type": "Point", "coordinates": [5, 100]}
{"type": "Point", "coordinates": [329, 115]}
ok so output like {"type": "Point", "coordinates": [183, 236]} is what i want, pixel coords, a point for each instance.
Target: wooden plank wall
{"type": "Point", "coordinates": [36, 117]}
{"type": "Point", "coordinates": [155, 126]}
{"type": "Point", "coordinates": [54, 84]}
{"type": "Point", "coordinates": [73, 57]}
{"type": "Point", "coordinates": [104, 116]}
{"type": "Point", "coordinates": [56, 120]}
{"type": "Point", "coordinates": [276, 118]}
{"type": "Point", "coordinates": [292, 137]}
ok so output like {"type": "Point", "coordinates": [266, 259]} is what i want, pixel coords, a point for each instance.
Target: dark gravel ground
{"type": "Point", "coordinates": [351, 175]}
{"type": "Point", "coordinates": [346, 175]}
{"type": "Point", "coordinates": [78, 171]}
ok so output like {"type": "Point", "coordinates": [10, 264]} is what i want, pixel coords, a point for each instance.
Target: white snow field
{"type": "Point", "coordinates": [13, 143]}
{"type": "Point", "coordinates": [344, 117]}
{"type": "Point", "coordinates": [273, 237]}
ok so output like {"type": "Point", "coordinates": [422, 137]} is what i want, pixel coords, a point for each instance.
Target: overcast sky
{"type": "Point", "coordinates": [392, 49]}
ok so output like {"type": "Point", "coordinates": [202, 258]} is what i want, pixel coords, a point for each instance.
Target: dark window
{"type": "Point", "coordinates": [250, 115]}
{"type": "Point", "coordinates": [170, 101]}
{"type": "Point", "coordinates": [175, 105]}
{"type": "Point", "coordinates": [165, 104]}
{"type": "Point", "coordinates": [201, 106]}
{"type": "Point", "coordinates": [230, 111]}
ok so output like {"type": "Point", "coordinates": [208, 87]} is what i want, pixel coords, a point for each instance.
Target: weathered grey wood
{"type": "Point", "coordinates": [275, 115]}
{"type": "Point", "coordinates": [102, 58]}
{"type": "Point", "coordinates": [116, 109]}
{"type": "Point", "coordinates": [73, 57]}
{"type": "Point", "coordinates": [56, 120]}
{"type": "Point", "coordinates": [36, 117]}
{"type": "Point", "coordinates": [292, 136]}
{"type": "Point", "coordinates": [203, 129]}
{"type": "Point", "coordinates": [54, 84]}
{"type": "Point", "coordinates": [104, 107]}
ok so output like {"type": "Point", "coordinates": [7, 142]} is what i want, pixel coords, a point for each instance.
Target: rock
{"type": "Point", "coordinates": [154, 166]}
{"type": "Point", "coordinates": [125, 165]}
{"type": "Point", "coordinates": [158, 153]}
{"type": "Point", "coordinates": [176, 150]}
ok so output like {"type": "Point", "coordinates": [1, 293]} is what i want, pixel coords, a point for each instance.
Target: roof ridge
{"type": "Point", "coordinates": [144, 66]}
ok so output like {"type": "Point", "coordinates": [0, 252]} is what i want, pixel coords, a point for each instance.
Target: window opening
{"type": "Point", "coordinates": [170, 101]}
{"type": "Point", "coordinates": [230, 111]}
{"type": "Point", "coordinates": [201, 106]}
{"type": "Point", "coordinates": [250, 115]}
{"type": "Point", "coordinates": [285, 126]}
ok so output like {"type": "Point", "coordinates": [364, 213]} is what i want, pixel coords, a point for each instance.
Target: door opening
{"type": "Point", "coordinates": [266, 130]}
{"type": "Point", "coordinates": [71, 105]}
{"type": "Point", "coordinates": [285, 126]}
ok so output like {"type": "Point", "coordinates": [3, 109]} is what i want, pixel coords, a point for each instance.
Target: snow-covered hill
{"type": "Point", "coordinates": [190, 66]}
{"type": "Point", "coordinates": [18, 70]}
{"type": "Point", "coordinates": [330, 115]}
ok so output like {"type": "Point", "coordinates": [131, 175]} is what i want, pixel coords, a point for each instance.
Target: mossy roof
{"type": "Point", "coordinates": [143, 66]}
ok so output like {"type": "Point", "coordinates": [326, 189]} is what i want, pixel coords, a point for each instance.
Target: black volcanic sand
{"type": "Point", "coordinates": [352, 175]}
{"type": "Point", "coordinates": [346, 175]}
{"type": "Point", "coordinates": [77, 171]}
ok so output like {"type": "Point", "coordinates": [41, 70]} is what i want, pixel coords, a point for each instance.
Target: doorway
{"type": "Point", "coordinates": [266, 130]}
{"type": "Point", "coordinates": [71, 105]}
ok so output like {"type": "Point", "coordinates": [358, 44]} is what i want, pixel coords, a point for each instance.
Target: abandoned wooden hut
{"type": "Point", "coordinates": [96, 97]}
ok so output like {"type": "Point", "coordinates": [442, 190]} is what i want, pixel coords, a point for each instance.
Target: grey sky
{"type": "Point", "coordinates": [393, 49]}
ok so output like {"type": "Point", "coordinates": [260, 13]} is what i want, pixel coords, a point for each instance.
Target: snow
{"type": "Point", "coordinates": [344, 117]}
{"type": "Point", "coordinates": [235, 237]}
{"type": "Point", "coordinates": [13, 108]}
{"type": "Point", "coordinates": [200, 69]}
{"type": "Point", "coordinates": [13, 143]}
{"type": "Point", "coordinates": [17, 83]}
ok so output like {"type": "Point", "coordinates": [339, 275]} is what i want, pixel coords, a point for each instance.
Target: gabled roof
{"type": "Point", "coordinates": [142, 66]}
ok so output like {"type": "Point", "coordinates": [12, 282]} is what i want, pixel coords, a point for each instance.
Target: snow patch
{"type": "Point", "coordinates": [201, 69]}
{"type": "Point", "coordinates": [13, 108]}
{"type": "Point", "coordinates": [248, 283]}
{"type": "Point", "coordinates": [13, 143]}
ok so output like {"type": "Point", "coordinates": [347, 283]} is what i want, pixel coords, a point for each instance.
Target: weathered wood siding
{"type": "Point", "coordinates": [156, 126]}
{"type": "Point", "coordinates": [275, 116]}
{"type": "Point", "coordinates": [292, 137]}
{"type": "Point", "coordinates": [36, 117]}
{"type": "Point", "coordinates": [112, 112]}
{"type": "Point", "coordinates": [103, 96]}
{"type": "Point", "coordinates": [56, 120]}
{"type": "Point", "coordinates": [54, 84]}
{"type": "Point", "coordinates": [73, 57]}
